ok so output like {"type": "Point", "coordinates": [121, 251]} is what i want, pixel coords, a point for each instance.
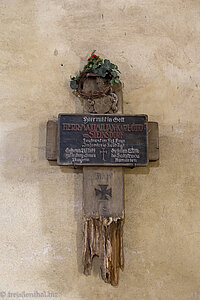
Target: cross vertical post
{"type": "Point", "coordinates": [103, 228]}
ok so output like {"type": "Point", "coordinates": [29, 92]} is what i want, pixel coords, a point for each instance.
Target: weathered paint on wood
{"type": "Point", "coordinates": [103, 140]}
{"type": "Point", "coordinates": [51, 140]}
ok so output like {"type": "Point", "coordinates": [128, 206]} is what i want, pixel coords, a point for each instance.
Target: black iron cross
{"type": "Point", "coordinates": [104, 192]}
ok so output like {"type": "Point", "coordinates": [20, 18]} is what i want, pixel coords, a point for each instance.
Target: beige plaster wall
{"type": "Point", "coordinates": [156, 45]}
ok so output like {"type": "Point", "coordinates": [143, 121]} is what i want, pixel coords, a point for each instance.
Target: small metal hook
{"type": "Point", "coordinates": [75, 167]}
{"type": "Point", "coordinates": [133, 166]}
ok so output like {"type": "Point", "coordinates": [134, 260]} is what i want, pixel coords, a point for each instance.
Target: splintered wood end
{"type": "Point", "coordinates": [103, 237]}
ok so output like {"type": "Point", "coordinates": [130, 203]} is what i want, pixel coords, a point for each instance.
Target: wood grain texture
{"type": "Point", "coordinates": [103, 237]}
{"type": "Point", "coordinates": [103, 192]}
{"type": "Point", "coordinates": [153, 141]}
{"type": "Point", "coordinates": [51, 139]}
{"type": "Point", "coordinates": [103, 215]}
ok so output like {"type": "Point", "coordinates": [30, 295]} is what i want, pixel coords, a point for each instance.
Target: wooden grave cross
{"type": "Point", "coordinates": [103, 141]}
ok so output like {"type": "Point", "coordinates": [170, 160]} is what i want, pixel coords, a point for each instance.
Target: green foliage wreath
{"type": "Point", "coordinates": [97, 65]}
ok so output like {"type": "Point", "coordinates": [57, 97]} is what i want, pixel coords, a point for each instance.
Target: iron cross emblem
{"type": "Point", "coordinates": [104, 192]}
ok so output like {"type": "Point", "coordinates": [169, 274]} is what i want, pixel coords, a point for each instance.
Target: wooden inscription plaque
{"type": "Point", "coordinates": [102, 140]}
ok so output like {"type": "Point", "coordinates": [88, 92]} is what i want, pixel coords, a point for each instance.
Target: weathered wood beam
{"type": "Point", "coordinates": [51, 139]}
{"type": "Point", "coordinates": [153, 141]}
{"type": "Point", "coordinates": [103, 213]}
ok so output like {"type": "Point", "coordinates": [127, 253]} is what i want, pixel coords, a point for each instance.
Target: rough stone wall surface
{"type": "Point", "coordinates": [156, 45]}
